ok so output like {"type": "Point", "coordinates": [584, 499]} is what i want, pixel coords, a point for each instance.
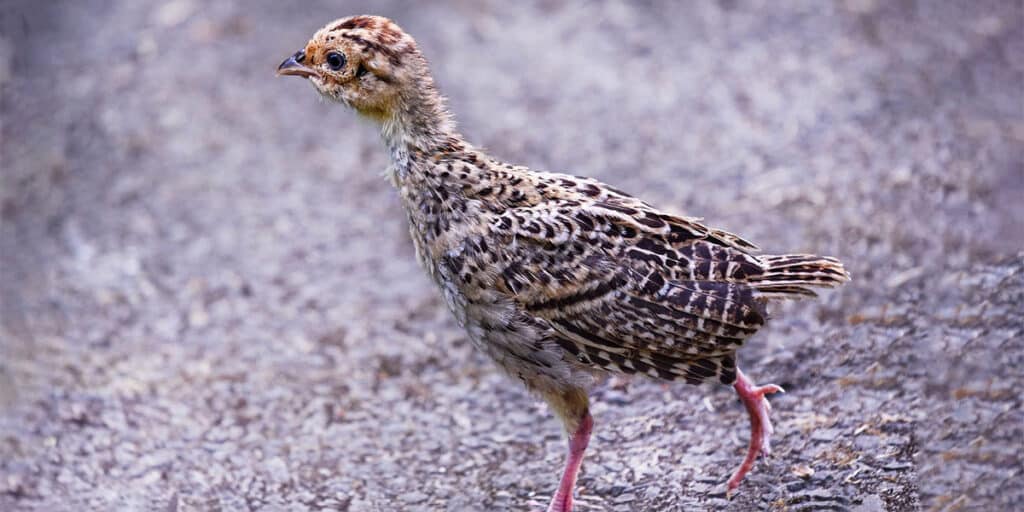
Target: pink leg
{"type": "Point", "coordinates": [757, 405]}
{"type": "Point", "coordinates": [562, 501]}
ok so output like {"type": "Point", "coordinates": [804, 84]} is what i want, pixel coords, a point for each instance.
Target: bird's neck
{"type": "Point", "coordinates": [419, 124]}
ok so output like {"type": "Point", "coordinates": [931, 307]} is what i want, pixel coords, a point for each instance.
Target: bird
{"type": "Point", "coordinates": [559, 279]}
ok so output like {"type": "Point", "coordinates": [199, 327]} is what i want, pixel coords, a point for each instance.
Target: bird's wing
{"type": "Point", "coordinates": [628, 288]}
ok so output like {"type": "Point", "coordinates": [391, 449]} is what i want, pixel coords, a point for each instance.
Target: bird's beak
{"type": "Point", "coordinates": [293, 66]}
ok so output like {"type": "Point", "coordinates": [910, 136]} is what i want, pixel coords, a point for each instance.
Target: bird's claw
{"type": "Point", "coordinates": [761, 429]}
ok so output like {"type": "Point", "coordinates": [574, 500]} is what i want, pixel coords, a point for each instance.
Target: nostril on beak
{"type": "Point", "coordinates": [294, 66]}
{"type": "Point", "coordinates": [292, 61]}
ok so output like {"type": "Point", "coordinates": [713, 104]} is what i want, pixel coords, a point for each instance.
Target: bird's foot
{"type": "Point", "coordinates": [560, 503]}
{"type": "Point", "coordinates": [757, 405]}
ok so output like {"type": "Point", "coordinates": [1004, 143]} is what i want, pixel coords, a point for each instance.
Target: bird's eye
{"type": "Point", "coordinates": [335, 60]}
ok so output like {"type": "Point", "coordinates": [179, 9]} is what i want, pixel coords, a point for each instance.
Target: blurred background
{"type": "Point", "coordinates": [210, 301]}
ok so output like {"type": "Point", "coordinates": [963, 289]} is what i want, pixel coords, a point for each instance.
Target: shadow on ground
{"type": "Point", "coordinates": [210, 301]}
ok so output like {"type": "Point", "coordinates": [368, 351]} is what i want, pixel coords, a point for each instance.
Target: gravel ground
{"type": "Point", "coordinates": [210, 301]}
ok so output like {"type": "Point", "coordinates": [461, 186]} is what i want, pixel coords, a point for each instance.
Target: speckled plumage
{"type": "Point", "coordinates": [555, 277]}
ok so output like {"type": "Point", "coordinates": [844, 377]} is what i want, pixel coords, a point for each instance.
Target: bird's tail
{"type": "Point", "coordinates": [789, 276]}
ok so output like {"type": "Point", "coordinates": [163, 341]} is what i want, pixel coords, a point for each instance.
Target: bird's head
{"type": "Point", "coordinates": [365, 62]}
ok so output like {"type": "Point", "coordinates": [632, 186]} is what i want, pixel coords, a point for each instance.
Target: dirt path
{"type": "Point", "coordinates": [210, 301]}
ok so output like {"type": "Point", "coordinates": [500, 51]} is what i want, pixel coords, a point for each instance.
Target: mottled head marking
{"type": "Point", "coordinates": [380, 61]}
{"type": "Point", "coordinates": [370, 64]}
{"type": "Point", "coordinates": [357, 22]}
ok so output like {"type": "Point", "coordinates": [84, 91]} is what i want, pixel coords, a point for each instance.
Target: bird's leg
{"type": "Point", "coordinates": [562, 501]}
{"type": "Point", "coordinates": [573, 408]}
{"type": "Point", "coordinates": [757, 405]}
